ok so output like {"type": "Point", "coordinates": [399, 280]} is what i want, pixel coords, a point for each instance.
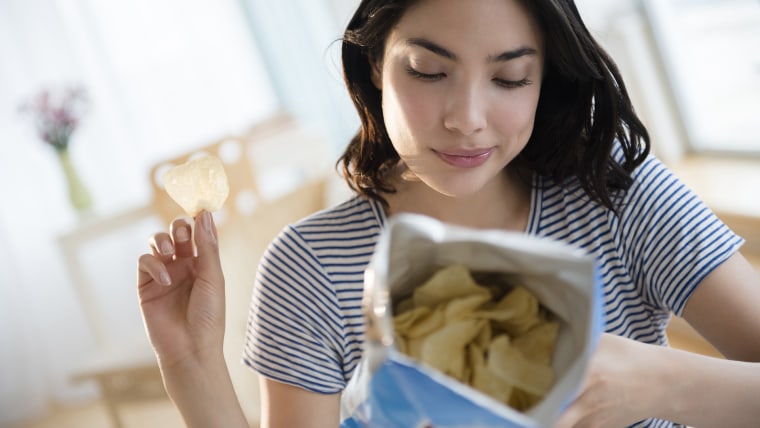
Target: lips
{"type": "Point", "coordinates": [465, 158]}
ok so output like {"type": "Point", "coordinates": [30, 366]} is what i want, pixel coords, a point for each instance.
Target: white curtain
{"type": "Point", "coordinates": [163, 76]}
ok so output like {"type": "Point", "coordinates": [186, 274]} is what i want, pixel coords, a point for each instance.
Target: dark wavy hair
{"type": "Point", "coordinates": [582, 110]}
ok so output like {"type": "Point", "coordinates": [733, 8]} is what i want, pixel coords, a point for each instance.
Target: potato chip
{"type": "Point", "coordinates": [199, 184]}
{"type": "Point", "coordinates": [446, 284]}
{"type": "Point", "coordinates": [484, 338]}
{"type": "Point", "coordinates": [404, 305]}
{"type": "Point", "coordinates": [419, 322]}
{"type": "Point", "coordinates": [483, 380]}
{"type": "Point", "coordinates": [516, 312]}
{"type": "Point", "coordinates": [522, 400]}
{"type": "Point", "coordinates": [445, 349]}
{"type": "Point", "coordinates": [509, 364]}
{"type": "Point", "coordinates": [414, 347]}
{"type": "Point", "coordinates": [538, 343]}
{"type": "Point", "coordinates": [500, 343]}
{"type": "Point", "coordinates": [401, 343]}
{"type": "Point", "coordinates": [461, 308]}
{"type": "Point", "coordinates": [405, 320]}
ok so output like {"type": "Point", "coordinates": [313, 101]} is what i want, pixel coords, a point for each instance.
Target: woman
{"type": "Point", "coordinates": [499, 114]}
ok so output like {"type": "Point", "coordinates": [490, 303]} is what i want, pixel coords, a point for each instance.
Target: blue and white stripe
{"type": "Point", "coordinates": [665, 241]}
{"type": "Point", "coordinates": [306, 325]}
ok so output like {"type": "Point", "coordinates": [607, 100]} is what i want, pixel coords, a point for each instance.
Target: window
{"type": "Point", "coordinates": [187, 71]}
{"type": "Point", "coordinates": [711, 56]}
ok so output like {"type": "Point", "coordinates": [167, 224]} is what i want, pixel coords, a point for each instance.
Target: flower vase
{"type": "Point", "coordinates": [79, 196]}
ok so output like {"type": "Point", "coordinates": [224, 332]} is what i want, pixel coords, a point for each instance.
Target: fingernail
{"type": "Point", "coordinates": [164, 278]}
{"type": "Point", "coordinates": [182, 234]}
{"type": "Point", "coordinates": [206, 219]}
{"type": "Point", "coordinates": [167, 248]}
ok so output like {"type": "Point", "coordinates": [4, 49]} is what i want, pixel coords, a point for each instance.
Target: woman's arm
{"type": "Point", "coordinates": [725, 309]}
{"type": "Point", "coordinates": [202, 391]}
{"type": "Point", "coordinates": [285, 406]}
{"type": "Point", "coordinates": [709, 391]}
{"type": "Point", "coordinates": [182, 302]}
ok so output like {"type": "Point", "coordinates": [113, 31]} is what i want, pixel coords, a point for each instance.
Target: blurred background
{"type": "Point", "coordinates": [138, 84]}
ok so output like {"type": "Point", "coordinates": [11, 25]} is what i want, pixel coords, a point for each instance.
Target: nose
{"type": "Point", "coordinates": [465, 111]}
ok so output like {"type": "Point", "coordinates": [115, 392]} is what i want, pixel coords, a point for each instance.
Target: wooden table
{"type": "Point", "coordinates": [124, 375]}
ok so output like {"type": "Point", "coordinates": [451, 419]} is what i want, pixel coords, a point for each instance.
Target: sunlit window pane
{"type": "Point", "coordinates": [710, 50]}
{"type": "Point", "coordinates": [188, 71]}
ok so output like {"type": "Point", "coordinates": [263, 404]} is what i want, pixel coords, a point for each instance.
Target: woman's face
{"type": "Point", "coordinates": [460, 82]}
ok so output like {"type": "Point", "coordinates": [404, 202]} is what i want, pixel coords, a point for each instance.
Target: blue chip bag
{"type": "Point", "coordinates": [390, 389]}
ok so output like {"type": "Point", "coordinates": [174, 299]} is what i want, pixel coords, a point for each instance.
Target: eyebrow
{"type": "Point", "coordinates": [441, 51]}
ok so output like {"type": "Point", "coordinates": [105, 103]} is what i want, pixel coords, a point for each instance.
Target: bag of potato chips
{"type": "Point", "coordinates": [471, 328]}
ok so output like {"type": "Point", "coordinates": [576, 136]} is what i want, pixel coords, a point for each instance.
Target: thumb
{"type": "Point", "coordinates": [207, 246]}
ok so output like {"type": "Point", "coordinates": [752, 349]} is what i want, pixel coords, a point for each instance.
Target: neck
{"type": "Point", "coordinates": [503, 204]}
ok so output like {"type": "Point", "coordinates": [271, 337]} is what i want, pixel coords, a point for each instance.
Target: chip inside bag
{"type": "Point", "coordinates": [471, 328]}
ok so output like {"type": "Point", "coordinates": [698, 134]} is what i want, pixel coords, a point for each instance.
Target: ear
{"type": "Point", "coordinates": [376, 72]}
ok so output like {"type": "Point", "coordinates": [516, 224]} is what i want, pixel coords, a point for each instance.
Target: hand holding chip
{"type": "Point", "coordinates": [182, 294]}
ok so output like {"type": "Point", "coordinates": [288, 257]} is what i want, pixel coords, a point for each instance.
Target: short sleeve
{"type": "Point", "coordinates": [294, 328]}
{"type": "Point", "coordinates": [674, 238]}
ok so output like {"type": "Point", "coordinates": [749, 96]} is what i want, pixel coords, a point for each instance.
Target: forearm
{"type": "Point", "coordinates": [710, 392]}
{"type": "Point", "coordinates": [203, 392]}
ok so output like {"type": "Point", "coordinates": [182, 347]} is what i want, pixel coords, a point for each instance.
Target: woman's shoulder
{"type": "Point", "coordinates": [356, 218]}
{"type": "Point", "coordinates": [653, 179]}
{"type": "Point", "coordinates": [338, 240]}
{"type": "Point", "coordinates": [353, 211]}
{"type": "Point", "coordinates": [651, 169]}
{"type": "Point", "coordinates": [650, 180]}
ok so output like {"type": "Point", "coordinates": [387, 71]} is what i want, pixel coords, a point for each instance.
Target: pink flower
{"type": "Point", "coordinates": [57, 113]}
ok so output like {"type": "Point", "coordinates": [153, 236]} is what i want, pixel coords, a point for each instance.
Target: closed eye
{"type": "Point", "coordinates": [512, 84]}
{"type": "Point", "coordinates": [424, 76]}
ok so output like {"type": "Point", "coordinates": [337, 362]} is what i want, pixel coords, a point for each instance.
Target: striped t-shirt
{"type": "Point", "coordinates": [306, 329]}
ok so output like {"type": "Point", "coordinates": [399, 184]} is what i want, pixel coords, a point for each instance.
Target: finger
{"type": "Point", "coordinates": [150, 268]}
{"type": "Point", "coordinates": [162, 246]}
{"type": "Point", "coordinates": [181, 233]}
{"type": "Point", "coordinates": [206, 243]}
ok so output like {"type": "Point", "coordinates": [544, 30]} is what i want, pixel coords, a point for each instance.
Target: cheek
{"type": "Point", "coordinates": [517, 116]}
{"type": "Point", "coordinates": [405, 99]}
{"type": "Point", "coordinates": [406, 109]}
